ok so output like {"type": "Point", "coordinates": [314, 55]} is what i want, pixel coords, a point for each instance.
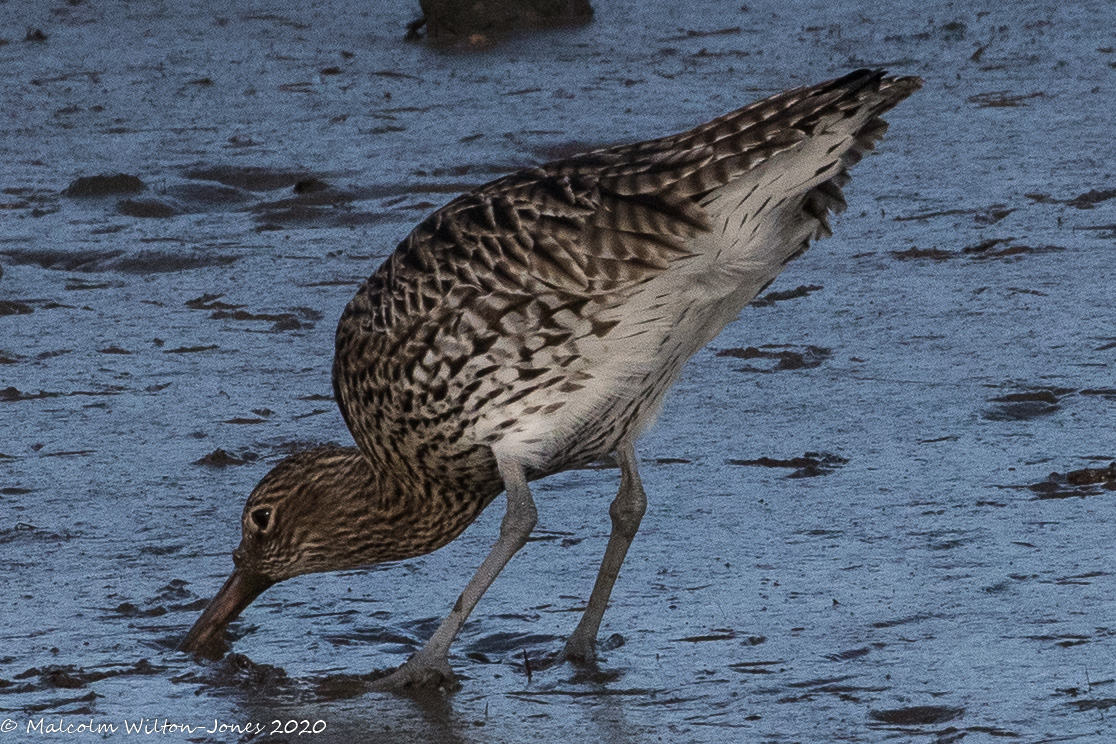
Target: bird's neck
{"type": "Point", "coordinates": [415, 510]}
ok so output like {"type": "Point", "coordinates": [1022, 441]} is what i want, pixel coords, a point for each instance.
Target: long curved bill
{"type": "Point", "coordinates": [207, 637]}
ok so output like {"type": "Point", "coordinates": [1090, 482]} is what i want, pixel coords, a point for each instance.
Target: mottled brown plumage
{"type": "Point", "coordinates": [533, 325]}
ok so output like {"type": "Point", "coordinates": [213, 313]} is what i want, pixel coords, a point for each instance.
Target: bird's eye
{"type": "Point", "coordinates": [261, 518]}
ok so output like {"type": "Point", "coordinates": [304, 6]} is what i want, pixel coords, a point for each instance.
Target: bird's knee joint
{"type": "Point", "coordinates": [518, 523]}
{"type": "Point", "coordinates": [626, 516]}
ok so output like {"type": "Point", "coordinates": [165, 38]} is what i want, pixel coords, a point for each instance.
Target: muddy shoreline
{"type": "Point", "coordinates": [881, 503]}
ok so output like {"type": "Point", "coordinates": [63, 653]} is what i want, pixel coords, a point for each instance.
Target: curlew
{"type": "Point", "coordinates": [534, 325]}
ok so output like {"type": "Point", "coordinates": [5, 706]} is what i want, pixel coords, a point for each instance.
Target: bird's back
{"type": "Point", "coordinates": [544, 315]}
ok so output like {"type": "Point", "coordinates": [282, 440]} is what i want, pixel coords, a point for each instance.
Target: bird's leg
{"type": "Point", "coordinates": [429, 666]}
{"type": "Point", "coordinates": [626, 512]}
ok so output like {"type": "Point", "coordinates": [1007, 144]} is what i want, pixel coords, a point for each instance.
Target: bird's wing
{"type": "Point", "coordinates": [518, 276]}
{"type": "Point", "coordinates": [610, 219]}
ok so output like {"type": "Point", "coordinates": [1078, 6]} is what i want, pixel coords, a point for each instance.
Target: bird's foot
{"type": "Point", "coordinates": [418, 673]}
{"type": "Point", "coordinates": [581, 652]}
{"type": "Point", "coordinates": [581, 655]}
{"type": "Point", "coordinates": [581, 649]}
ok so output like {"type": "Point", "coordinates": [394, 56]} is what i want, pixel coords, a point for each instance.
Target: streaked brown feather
{"type": "Point", "coordinates": [549, 248]}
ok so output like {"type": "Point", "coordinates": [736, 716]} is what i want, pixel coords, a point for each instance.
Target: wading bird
{"type": "Point", "coordinates": [534, 325]}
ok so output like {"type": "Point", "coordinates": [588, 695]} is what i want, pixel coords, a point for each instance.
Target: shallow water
{"type": "Point", "coordinates": [912, 588]}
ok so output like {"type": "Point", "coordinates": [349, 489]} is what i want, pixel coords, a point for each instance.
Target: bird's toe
{"type": "Point", "coordinates": [418, 674]}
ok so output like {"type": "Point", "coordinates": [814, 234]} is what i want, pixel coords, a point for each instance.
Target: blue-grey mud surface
{"type": "Point", "coordinates": [953, 345]}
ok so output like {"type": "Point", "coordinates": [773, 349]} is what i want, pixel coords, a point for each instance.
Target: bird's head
{"type": "Point", "coordinates": [319, 510]}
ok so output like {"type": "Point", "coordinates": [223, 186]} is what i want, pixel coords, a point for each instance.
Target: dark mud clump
{"type": "Point", "coordinates": [314, 203]}
{"type": "Point", "coordinates": [237, 670]}
{"type": "Point", "coordinates": [117, 185]}
{"type": "Point", "coordinates": [722, 634]}
{"type": "Point", "coordinates": [192, 349]}
{"type": "Point", "coordinates": [1088, 200]}
{"type": "Point", "coordinates": [204, 197]}
{"type": "Point", "coordinates": [345, 686]}
{"type": "Point", "coordinates": [210, 302]}
{"type": "Point", "coordinates": [785, 357]}
{"type": "Point", "coordinates": [139, 262]}
{"type": "Point", "coordinates": [219, 458]}
{"type": "Point", "coordinates": [1003, 99]}
{"type": "Point", "coordinates": [80, 285]}
{"type": "Point", "coordinates": [810, 465]}
{"type": "Point", "coordinates": [987, 249]}
{"type": "Point", "coordinates": [174, 597]}
{"type": "Point", "coordinates": [12, 307]}
{"type": "Point", "coordinates": [11, 394]}
{"type": "Point", "coordinates": [919, 715]}
{"type": "Point", "coordinates": [1091, 198]}
{"type": "Point", "coordinates": [70, 677]}
{"type": "Point", "coordinates": [790, 294]}
{"type": "Point", "coordinates": [936, 254]}
{"type": "Point", "coordinates": [1081, 483]}
{"type": "Point", "coordinates": [480, 22]}
{"type": "Point", "coordinates": [310, 186]}
{"type": "Point", "coordinates": [299, 318]}
{"type": "Point", "coordinates": [127, 609]}
{"type": "Point", "coordinates": [1026, 405]}
{"type": "Point", "coordinates": [1092, 704]}
{"type": "Point", "coordinates": [984, 247]}
{"type": "Point", "coordinates": [145, 208]}
{"type": "Point", "coordinates": [249, 178]}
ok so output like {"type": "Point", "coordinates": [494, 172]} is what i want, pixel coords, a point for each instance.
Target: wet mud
{"type": "Point", "coordinates": [184, 215]}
